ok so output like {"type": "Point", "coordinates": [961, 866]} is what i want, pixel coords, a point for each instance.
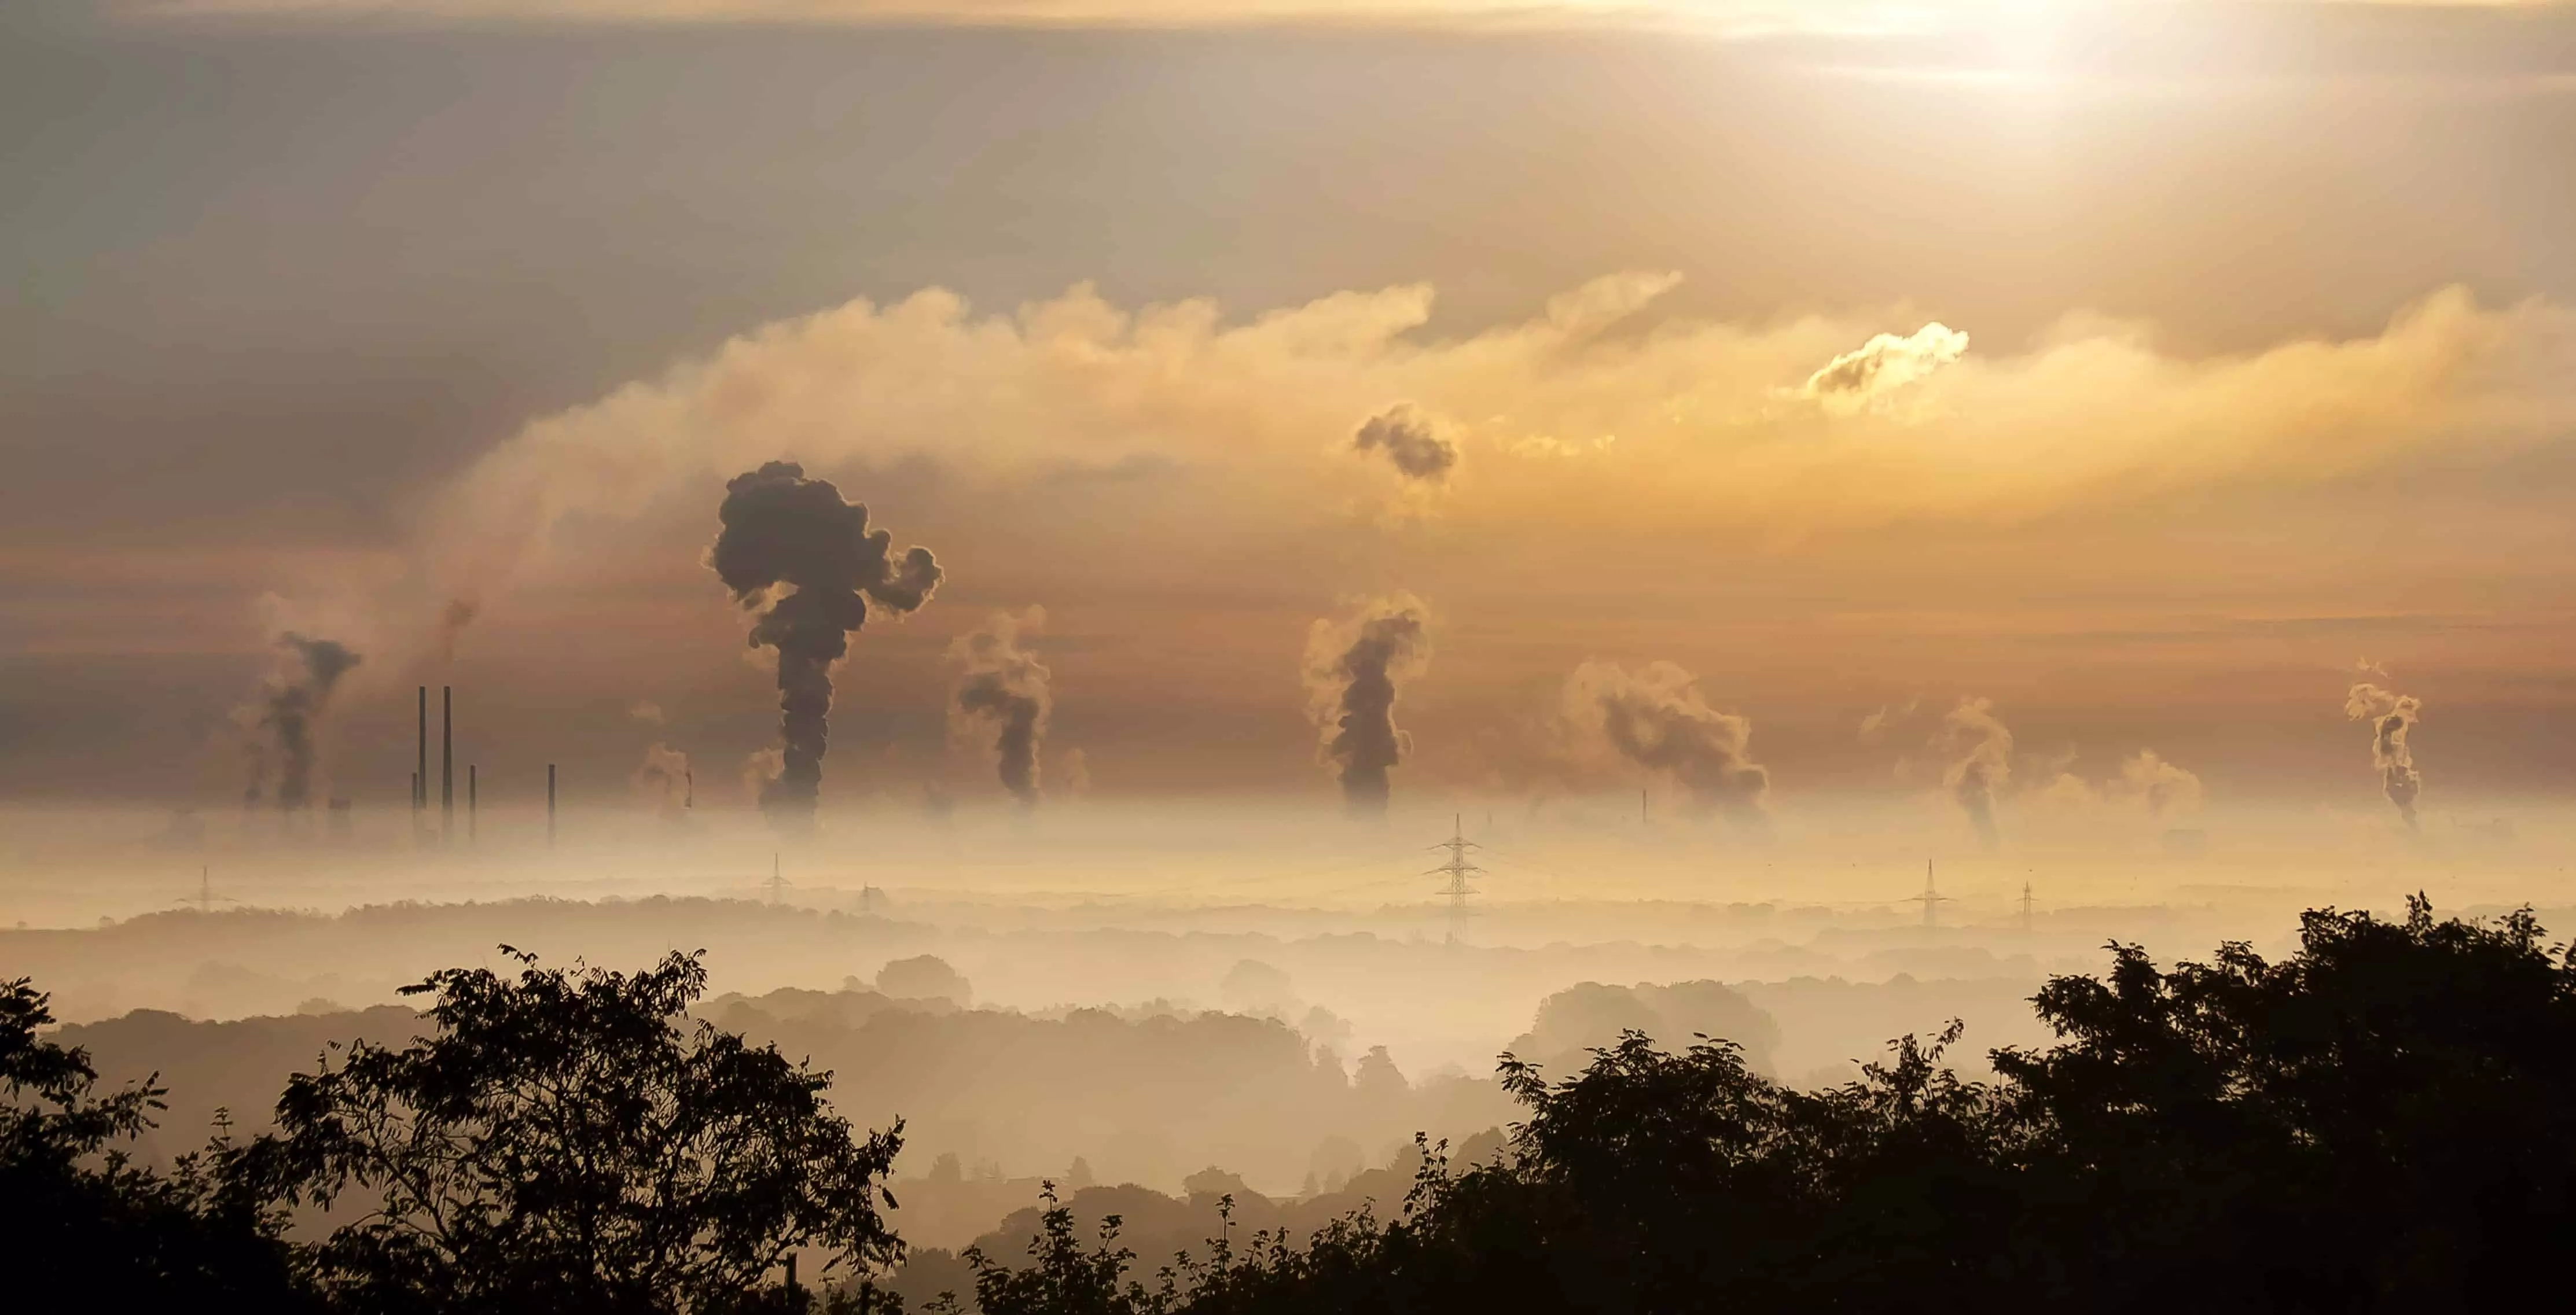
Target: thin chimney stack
{"type": "Point", "coordinates": [446, 761]}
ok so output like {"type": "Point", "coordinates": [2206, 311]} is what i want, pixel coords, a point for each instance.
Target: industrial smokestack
{"type": "Point", "coordinates": [802, 557]}
{"type": "Point", "coordinates": [2392, 718]}
{"type": "Point", "coordinates": [470, 795]}
{"type": "Point", "coordinates": [1003, 685]}
{"type": "Point", "coordinates": [446, 761]}
{"type": "Point", "coordinates": [1352, 667]}
{"type": "Point", "coordinates": [550, 804]}
{"type": "Point", "coordinates": [297, 691]}
{"type": "Point", "coordinates": [420, 769]}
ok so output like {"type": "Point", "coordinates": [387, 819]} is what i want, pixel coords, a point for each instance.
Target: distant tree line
{"type": "Point", "coordinates": [2383, 1121]}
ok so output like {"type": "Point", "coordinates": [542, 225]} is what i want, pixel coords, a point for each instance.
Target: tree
{"type": "Point", "coordinates": [83, 1226]}
{"type": "Point", "coordinates": [563, 1143]}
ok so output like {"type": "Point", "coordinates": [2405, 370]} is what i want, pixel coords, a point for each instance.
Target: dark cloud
{"type": "Point", "coordinates": [1411, 440]}
{"type": "Point", "coordinates": [1980, 750]}
{"type": "Point", "coordinates": [1352, 669]}
{"type": "Point", "coordinates": [1657, 719]}
{"type": "Point", "coordinates": [289, 705]}
{"type": "Point", "coordinates": [1003, 686]}
{"type": "Point", "coordinates": [2392, 717]}
{"type": "Point", "coordinates": [793, 550]}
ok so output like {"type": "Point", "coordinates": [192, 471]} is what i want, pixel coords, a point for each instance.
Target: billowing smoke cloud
{"type": "Point", "coordinates": [1411, 440]}
{"type": "Point", "coordinates": [452, 620]}
{"type": "Point", "coordinates": [1657, 718]}
{"type": "Point", "coordinates": [289, 704]}
{"type": "Point", "coordinates": [664, 778]}
{"type": "Point", "coordinates": [1980, 752]}
{"type": "Point", "coordinates": [2168, 790]}
{"type": "Point", "coordinates": [1352, 669]}
{"type": "Point", "coordinates": [1003, 687]}
{"type": "Point", "coordinates": [1867, 374]}
{"type": "Point", "coordinates": [793, 550]}
{"type": "Point", "coordinates": [2392, 717]}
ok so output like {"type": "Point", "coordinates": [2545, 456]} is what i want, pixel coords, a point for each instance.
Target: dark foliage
{"type": "Point", "coordinates": [2384, 1122]}
{"type": "Point", "coordinates": [84, 1227]}
{"type": "Point", "coordinates": [562, 1144]}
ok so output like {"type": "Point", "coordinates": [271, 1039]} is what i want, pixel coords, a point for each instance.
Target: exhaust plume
{"type": "Point", "coordinates": [1410, 440]}
{"type": "Point", "coordinates": [1657, 719]}
{"type": "Point", "coordinates": [802, 557]}
{"type": "Point", "coordinates": [2168, 789]}
{"type": "Point", "coordinates": [662, 775]}
{"type": "Point", "coordinates": [1352, 667]}
{"type": "Point", "coordinates": [2392, 718]}
{"type": "Point", "coordinates": [1980, 749]}
{"type": "Point", "coordinates": [1002, 685]}
{"type": "Point", "coordinates": [289, 705]}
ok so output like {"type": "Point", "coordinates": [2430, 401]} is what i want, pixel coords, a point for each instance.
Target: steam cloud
{"type": "Point", "coordinates": [289, 705]}
{"type": "Point", "coordinates": [1003, 686]}
{"type": "Point", "coordinates": [793, 550]}
{"type": "Point", "coordinates": [1980, 749]}
{"type": "Point", "coordinates": [2392, 717]}
{"type": "Point", "coordinates": [1352, 668]}
{"type": "Point", "coordinates": [1882, 365]}
{"type": "Point", "coordinates": [1411, 441]}
{"type": "Point", "coordinates": [1657, 718]}
{"type": "Point", "coordinates": [665, 770]}
{"type": "Point", "coordinates": [2167, 789]}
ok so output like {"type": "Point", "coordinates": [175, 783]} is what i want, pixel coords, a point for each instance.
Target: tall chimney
{"type": "Point", "coordinates": [446, 760]}
{"type": "Point", "coordinates": [420, 770]}
{"type": "Point", "coordinates": [471, 794]}
{"type": "Point", "coordinates": [550, 803]}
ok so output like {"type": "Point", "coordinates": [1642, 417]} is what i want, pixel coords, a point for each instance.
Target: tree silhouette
{"type": "Point", "coordinates": [564, 1143]}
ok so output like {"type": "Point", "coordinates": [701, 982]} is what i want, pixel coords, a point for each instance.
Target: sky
{"type": "Point", "coordinates": [1755, 404]}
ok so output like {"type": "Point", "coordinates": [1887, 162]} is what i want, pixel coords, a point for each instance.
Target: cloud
{"type": "Point", "coordinates": [2167, 790]}
{"type": "Point", "coordinates": [1412, 442]}
{"type": "Point", "coordinates": [664, 780]}
{"type": "Point", "coordinates": [1668, 426]}
{"type": "Point", "coordinates": [647, 712]}
{"type": "Point", "coordinates": [1868, 375]}
{"type": "Point", "coordinates": [2392, 718]}
{"type": "Point", "coordinates": [1657, 718]}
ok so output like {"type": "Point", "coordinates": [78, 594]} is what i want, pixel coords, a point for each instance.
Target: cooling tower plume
{"type": "Point", "coordinates": [1656, 718]}
{"type": "Point", "coordinates": [802, 557]}
{"type": "Point", "coordinates": [1980, 750]}
{"type": "Point", "coordinates": [1002, 687]}
{"type": "Point", "coordinates": [1352, 669]}
{"type": "Point", "coordinates": [289, 705]}
{"type": "Point", "coordinates": [1411, 440]}
{"type": "Point", "coordinates": [2392, 719]}
{"type": "Point", "coordinates": [663, 778]}
{"type": "Point", "coordinates": [2168, 790]}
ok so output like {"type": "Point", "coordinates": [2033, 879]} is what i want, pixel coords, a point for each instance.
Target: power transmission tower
{"type": "Point", "coordinates": [206, 899]}
{"type": "Point", "coordinates": [2025, 908]}
{"type": "Point", "coordinates": [1457, 869]}
{"type": "Point", "coordinates": [777, 883]}
{"type": "Point", "coordinates": [1930, 899]}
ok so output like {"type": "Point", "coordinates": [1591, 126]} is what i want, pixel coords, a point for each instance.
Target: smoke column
{"type": "Point", "coordinates": [1657, 719]}
{"type": "Point", "coordinates": [1980, 763]}
{"type": "Point", "coordinates": [2392, 717]}
{"type": "Point", "coordinates": [296, 693]}
{"type": "Point", "coordinates": [1411, 442]}
{"type": "Point", "coordinates": [1003, 686]}
{"type": "Point", "coordinates": [1351, 672]}
{"type": "Point", "coordinates": [663, 773]}
{"type": "Point", "coordinates": [794, 551]}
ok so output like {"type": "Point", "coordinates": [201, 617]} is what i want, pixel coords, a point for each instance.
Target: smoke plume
{"type": "Point", "coordinates": [2392, 718]}
{"type": "Point", "coordinates": [1657, 718]}
{"type": "Point", "coordinates": [1980, 749]}
{"type": "Point", "coordinates": [1352, 667]}
{"type": "Point", "coordinates": [664, 778]}
{"type": "Point", "coordinates": [2167, 789]}
{"type": "Point", "coordinates": [1411, 440]}
{"type": "Point", "coordinates": [794, 551]}
{"type": "Point", "coordinates": [289, 704]}
{"type": "Point", "coordinates": [1003, 687]}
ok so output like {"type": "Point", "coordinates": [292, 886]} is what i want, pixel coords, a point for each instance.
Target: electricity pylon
{"type": "Point", "coordinates": [1930, 899]}
{"type": "Point", "coordinates": [1457, 869]}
